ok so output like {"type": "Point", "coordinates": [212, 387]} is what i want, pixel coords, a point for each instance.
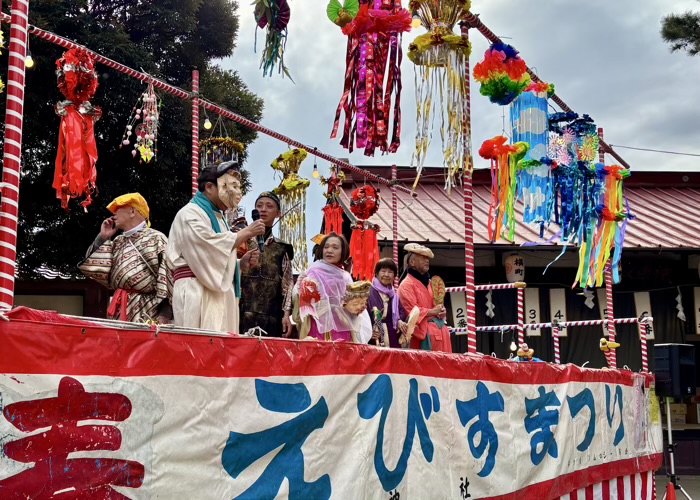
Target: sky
{"type": "Point", "coordinates": [606, 59]}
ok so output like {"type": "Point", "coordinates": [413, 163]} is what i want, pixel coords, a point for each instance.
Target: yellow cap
{"type": "Point", "coordinates": [133, 200]}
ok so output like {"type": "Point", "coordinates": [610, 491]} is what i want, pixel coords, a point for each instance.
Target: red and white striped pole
{"type": "Point", "coordinates": [643, 340]}
{"type": "Point", "coordinates": [395, 220]}
{"type": "Point", "coordinates": [555, 340]}
{"type": "Point", "coordinates": [521, 316]}
{"type": "Point", "coordinates": [470, 294]}
{"type": "Point", "coordinates": [12, 152]}
{"type": "Point", "coordinates": [195, 131]}
{"type": "Point", "coordinates": [601, 151]}
{"type": "Point", "coordinates": [612, 358]}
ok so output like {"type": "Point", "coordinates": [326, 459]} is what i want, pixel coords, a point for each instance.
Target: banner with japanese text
{"type": "Point", "coordinates": [93, 412]}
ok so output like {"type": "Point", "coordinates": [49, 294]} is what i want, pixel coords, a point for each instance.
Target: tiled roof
{"type": "Point", "coordinates": [666, 206]}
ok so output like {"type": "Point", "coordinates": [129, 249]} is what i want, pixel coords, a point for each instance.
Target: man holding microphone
{"type": "Point", "coordinates": [266, 280]}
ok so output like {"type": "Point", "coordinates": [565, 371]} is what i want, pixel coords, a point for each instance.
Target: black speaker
{"type": "Point", "coordinates": [675, 370]}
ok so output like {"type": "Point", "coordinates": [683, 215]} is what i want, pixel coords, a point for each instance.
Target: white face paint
{"type": "Point", "coordinates": [230, 192]}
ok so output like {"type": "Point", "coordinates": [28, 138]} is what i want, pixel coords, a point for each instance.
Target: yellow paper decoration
{"type": "Point", "coordinates": [292, 193]}
{"type": "Point", "coordinates": [440, 57]}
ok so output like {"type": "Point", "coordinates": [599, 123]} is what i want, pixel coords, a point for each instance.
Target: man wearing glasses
{"type": "Point", "coordinates": [202, 253]}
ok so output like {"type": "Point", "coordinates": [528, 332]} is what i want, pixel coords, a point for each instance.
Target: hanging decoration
{"type": "Point", "coordinates": [441, 87]}
{"type": "Point", "coordinates": [490, 306]}
{"type": "Point", "coordinates": [364, 248]}
{"type": "Point", "coordinates": [503, 74]}
{"type": "Point", "coordinates": [515, 268]}
{"type": "Point", "coordinates": [373, 53]}
{"type": "Point", "coordinates": [679, 305]}
{"type": "Point", "coordinates": [528, 116]}
{"type": "Point", "coordinates": [504, 163]}
{"type": "Point", "coordinates": [341, 15]}
{"type": "Point", "coordinates": [609, 231]}
{"type": "Point", "coordinates": [273, 15]}
{"type": "Point", "coordinates": [75, 175]}
{"type": "Point", "coordinates": [2, 46]}
{"type": "Point", "coordinates": [143, 136]}
{"type": "Point", "coordinates": [219, 148]}
{"type": "Point", "coordinates": [333, 211]}
{"type": "Point", "coordinates": [292, 193]}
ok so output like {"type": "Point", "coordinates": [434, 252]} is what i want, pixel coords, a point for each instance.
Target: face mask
{"type": "Point", "coordinates": [230, 192]}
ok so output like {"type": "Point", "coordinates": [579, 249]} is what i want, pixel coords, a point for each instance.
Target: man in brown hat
{"type": "Point", "coordinates": [416, 290]}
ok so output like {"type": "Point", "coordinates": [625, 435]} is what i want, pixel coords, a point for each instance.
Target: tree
{"type": "Point", "coordinates": [682, 31]}
{"type": "Point", "coordinates": [166, 38]}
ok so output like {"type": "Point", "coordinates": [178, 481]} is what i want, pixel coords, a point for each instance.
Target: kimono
{"type": "Point", "coordinates": [134, 266]}
{"type": "Point", "coordinates": [321, 312]}
{"type": "Point", "coordinates": [383, 302]}
{"type": "Point", "coordinates": [204, 264]}
{"type": "Point", "coordinates": [413, 293]}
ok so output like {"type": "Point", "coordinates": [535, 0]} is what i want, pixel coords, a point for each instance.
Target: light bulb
{"type": "Point", "coordinates": [28, 61]}
{"type": "Point", "coordinates": [315, 172]}
{"type": "Point", "coordinates": [207, 124]}
{"type": "Point", "coordinates": [415, 22]}
{"type": "Point", "coordinates": [513, 347]}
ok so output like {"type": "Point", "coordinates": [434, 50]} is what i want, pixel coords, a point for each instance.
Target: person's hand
{"type": "Point", "coordinates": [443, 313]}
{"type": "Point", "coordinates": [256, 229]}
{"type": "Point", "coordinates": [375, 335]}
{"type": "Point", "coordinates": [253, 258]}
{"type": "Point", "coordinates": [163, 320]}
{"type": "Point", "coordinates": [435, 311]}
{"type": "Point", "coordinates": [108, 228]}
{"type": "Point", "coordinates": [287, 326]}
{"type": "Point", "coordinates": [403, 327]}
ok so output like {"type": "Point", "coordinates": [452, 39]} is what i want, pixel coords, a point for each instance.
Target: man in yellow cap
{"type": "Point", "coordinates": [132, 263]}
{"type": "Point", "coordinates": [416, 290]}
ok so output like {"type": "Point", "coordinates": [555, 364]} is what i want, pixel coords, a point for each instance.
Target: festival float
{"type": "Point", "coordinates": [93, 408]}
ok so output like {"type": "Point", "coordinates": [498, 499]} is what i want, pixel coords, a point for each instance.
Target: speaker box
{"type": "Point", "coordinates": [675, 370]}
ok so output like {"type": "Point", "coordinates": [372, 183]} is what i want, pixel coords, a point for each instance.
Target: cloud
{"type": "Point", "coordinates": [606, 59]}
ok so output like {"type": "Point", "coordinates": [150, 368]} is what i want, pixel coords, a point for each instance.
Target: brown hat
{"type": "Point", "coordinates": [418, 249]}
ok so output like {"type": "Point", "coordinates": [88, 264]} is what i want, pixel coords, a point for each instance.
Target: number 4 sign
{"type": "Point", "coordinates": [557, 301]}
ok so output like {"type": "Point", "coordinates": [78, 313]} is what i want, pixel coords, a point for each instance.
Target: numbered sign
{"type": "Point", "coordinates": [557, 301]}
{"type": "Point", "coordinates": [532, 310]}
{"type": "Point", "coordinates": [602, 298]}
{"type": "Point", "coordinates": [459, 309]}
{"type": "Point", "coordinates": [642, 304]}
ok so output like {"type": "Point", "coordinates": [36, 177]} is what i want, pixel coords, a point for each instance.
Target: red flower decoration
{"type": "Point", "coordinates": [77, 79]}
{"type": "Point", "coordinates": [365, 202]}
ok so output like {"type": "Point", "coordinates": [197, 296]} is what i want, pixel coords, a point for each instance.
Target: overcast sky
{"type": "Point", "coordinates": [605, 57]}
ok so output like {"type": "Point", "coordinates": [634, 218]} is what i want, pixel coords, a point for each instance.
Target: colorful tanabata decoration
{"type": "Point", "coordinates": [528, 116]}
{"type": "Point", "coordinates": [612, 210]}
{"type": "Point", "coordinates": [333, 211]}
{"type": "Point", "coordinates": [440, 56]}
{"type": "Point", "coordinates": [75, 175]}
{"type": "Point", "coordinates": [503, 74]}
{"type": "Point", "coordinates": [273, 15]}
{"type": "Point", "coordinates": [292, 193]}
{"type": "Point", "coordinates": [504, 164]}
{"type": "Point", "coordinates": [143, 136]}
{"type": "Point", "coordinates": [372, 74]}
{"type": "Point", "coordinates": [364, 248]}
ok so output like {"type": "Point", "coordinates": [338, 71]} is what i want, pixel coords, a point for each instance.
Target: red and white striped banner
{"type": "Point", "coordinates": [632, 487]}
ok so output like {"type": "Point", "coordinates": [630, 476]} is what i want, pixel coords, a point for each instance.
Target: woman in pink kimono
{"type": "Point", "coordinates": [416, 290]}
{"type": "Point", "coordinates": [322, 296]}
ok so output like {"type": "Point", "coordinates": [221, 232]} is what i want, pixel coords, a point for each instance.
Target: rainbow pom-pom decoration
{"type": "Point", "coordinates": [503, 74]}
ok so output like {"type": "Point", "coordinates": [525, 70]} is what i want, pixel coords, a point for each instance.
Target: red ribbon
{"type": "Point", "coordinates": [119, 301]}
{"type": "Point", "coordinates": [75, 173]}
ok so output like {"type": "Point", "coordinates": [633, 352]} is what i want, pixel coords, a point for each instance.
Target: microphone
{"type": "Point", "coordinates": [261, 239]}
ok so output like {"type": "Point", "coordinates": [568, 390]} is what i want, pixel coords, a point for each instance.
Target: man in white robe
{"type": "Point", "coordinates": [202, 253]}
